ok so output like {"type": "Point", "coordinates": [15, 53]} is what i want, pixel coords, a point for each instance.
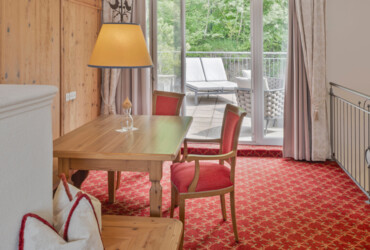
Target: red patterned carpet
{"type": "Point", "coordinates": [280, 203]}
{"type": "Point", "coordinates": [243, 150]}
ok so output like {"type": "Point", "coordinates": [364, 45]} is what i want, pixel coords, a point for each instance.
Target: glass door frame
{"type": "Point", "coordinates": [258, 136]}
{"type": "Point", "coordinates": [153, 14]}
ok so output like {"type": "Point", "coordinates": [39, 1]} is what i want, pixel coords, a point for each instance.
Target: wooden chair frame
{"type": "Point", "coordinates": [178, 199]}
{"type": "Point", "coordinates": [157, 93]}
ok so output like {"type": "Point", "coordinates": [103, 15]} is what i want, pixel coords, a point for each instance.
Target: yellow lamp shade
{"type": "Point", "coordinates": [120, 45]}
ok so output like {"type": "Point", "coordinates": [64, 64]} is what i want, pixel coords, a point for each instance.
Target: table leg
{"type": "Point", "coordinates": [112, 183]}
{"type": "Point", "coordinates": [155, 193]}
{"type": "Point", "coordinates": [63, 166]}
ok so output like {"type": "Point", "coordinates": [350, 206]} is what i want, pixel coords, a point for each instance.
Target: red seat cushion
{"type": "Point", "coordinates": [212, 176]}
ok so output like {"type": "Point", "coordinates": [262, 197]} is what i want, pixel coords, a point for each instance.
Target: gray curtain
{"type": "Point", "coordinates": [121, 83]}
{"type": "Point", "coordinates": [311, 21]}
{"type": "Point", "coordinates": [297, 106]}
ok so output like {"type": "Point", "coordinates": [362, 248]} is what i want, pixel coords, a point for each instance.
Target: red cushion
{"type": "Point", "coordinates": [166, 105]}
{"type": "Point", "coordinates": [212, 176]}
{"type": "Point", "coordinates": [231, 121]}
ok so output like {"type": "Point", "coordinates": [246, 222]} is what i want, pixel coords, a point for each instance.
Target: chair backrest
{"type": "Point", "coordinates": [166, 103]}
{"type": "Point", "coordinates": [194, 70]}
{"type": "Point", "coordinates": [233, 118]}
{"type": "Point", "coordinates": [214, 69]}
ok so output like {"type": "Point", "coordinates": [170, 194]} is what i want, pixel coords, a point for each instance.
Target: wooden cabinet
{"type": "Point", "coordinates": [30, 46]}
{"type": "Point", "coordinates": [80, 24]}
{"type": "Point", "coordinates": [49, 42]}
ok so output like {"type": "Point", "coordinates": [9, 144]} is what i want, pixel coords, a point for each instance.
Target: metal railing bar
{"type": "Point", "coordinates": [352, 104]}
{"type": "Point", "coordinates": [351, 141]}
{"type": "Point", "coordinates": [337, 122]}
{"type": "Point", "coordinates": [342, 130]}
{"type": "Point", "coordinates": [364, 166]}
{"type": "Point", "coordinates": [347, 137]}
{"type": "Point", "coordinates": [352, 178]}
{"type": "Point", "coordinates": [350, 90]}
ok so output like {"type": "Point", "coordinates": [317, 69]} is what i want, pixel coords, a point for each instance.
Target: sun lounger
{"type": "Point", "coordinates": [206, 76]}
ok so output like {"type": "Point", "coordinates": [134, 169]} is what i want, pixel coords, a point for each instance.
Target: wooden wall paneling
{"type": "Point", "coordinates": [30, 46]}
{"type": "Point", "coordinates": [79, 30]}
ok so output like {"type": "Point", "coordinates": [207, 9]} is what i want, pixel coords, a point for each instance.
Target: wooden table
{"type": "Point", "coordinates": [129, 232]}
{"type": "Point", "coordinates": [98, 146]}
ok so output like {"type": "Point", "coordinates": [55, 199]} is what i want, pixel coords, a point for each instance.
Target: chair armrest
{"type": "Point", "coordinates": [201, 140]}
{"type": "Point", "coordinates": [210, 157]}
{"type": "Point", "coordinates": [185, 155]}
{"type": "Point", "coordinates": [275, 90]}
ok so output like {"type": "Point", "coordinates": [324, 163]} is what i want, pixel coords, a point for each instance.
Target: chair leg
{"type": "Point", "coordinates": [223, 206]}
{"type": "Point", "coordinates": [118, 179]}
{"type": "Point", "coordinates": [267, 125]}
{"type": "Point", "coordinates": [182, 218]}
{"type": "Point", "coordinates": [174, 199]}
{"type": "Point", "coordinates": [233, 215]}
{"type": "Point", "coordinates": [196, 98]}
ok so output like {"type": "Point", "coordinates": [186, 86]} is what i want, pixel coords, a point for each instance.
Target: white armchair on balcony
{"type": "Point", "coordinates": [273, 89]}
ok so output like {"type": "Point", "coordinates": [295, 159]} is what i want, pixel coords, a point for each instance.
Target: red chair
{"type": "Point", "coordinates": [166, 103]}
{"type": "Point", "coordinates": [195, 179]}
{"type": "Point", "coordinates": [163, 103]}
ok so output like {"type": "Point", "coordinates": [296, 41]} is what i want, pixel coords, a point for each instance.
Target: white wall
{"type": "Point", "coordinates": [348, 43]}
{"type": "Point", "coordinates": [26, 157]}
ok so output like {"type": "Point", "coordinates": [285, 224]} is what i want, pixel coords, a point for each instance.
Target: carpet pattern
{"type": "Point", "coordinates": [280, 204]}
{"type": "Point", "coordinates": [243, 150]}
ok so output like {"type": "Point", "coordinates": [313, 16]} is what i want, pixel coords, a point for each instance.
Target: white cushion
{"type": "Point", "coordinates": [80, 231]}
{"type": "Point", "coordinates": [243, 82]}
{"type": "Point", "coordinates": [212, 86]}
{"type": "Point", "coordinates": [194, 70]}
{"type": "Point", "coordinates": [214, 69]}
{"type": "Point", "coordinates": [202, 86]}
{"type": "Point", "coordinates": [226, 85]}
{"type": "Point", "coordinates": [246, 83]}
{"type": "Point", "coordinates": [63, 200]}
{"type": "Point", "coordinates": [247, 73]}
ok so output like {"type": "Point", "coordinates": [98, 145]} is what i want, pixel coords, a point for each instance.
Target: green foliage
{"type": "Point", "coordinates": [217, 25]}
{"type": "Point", "coordinates": [224, 25]}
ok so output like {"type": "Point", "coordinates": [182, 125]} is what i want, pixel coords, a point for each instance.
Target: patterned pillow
{"type": "Point", "coordinates": [80, 231]}
{"type": "Point", "coordinates": [62, 203]}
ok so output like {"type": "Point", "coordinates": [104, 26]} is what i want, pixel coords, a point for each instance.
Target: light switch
{"type": "Point", "coordinates": [72, 95]}
{"type": "Point", "coordinates": [68, 97]}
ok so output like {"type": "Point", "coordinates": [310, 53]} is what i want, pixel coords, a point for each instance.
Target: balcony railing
{"type": "Point", "coordinates": [274, 63]}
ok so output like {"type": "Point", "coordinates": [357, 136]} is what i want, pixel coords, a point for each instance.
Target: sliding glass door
{"type": "Point", "coordinates": [218, 52]}
{"type": "Point", "coordinates": [204, 47]}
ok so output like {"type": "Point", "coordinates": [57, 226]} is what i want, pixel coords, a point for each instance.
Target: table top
{"type": "Point", "coordinates": [129, 232]}
{"type": "Point", "coordinates": [157, 138]}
